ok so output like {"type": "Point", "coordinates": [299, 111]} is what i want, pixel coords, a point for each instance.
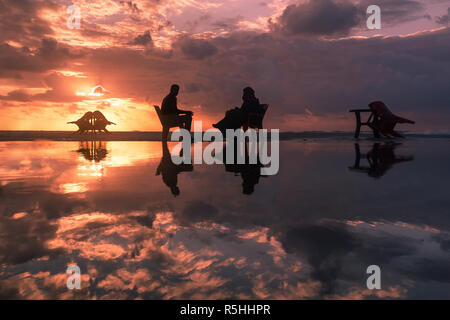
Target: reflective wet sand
{"type": "Point", "coordinates": [309, 232]}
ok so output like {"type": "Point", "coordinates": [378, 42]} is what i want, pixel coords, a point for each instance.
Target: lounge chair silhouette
{"type": "Point", "coordinates": [385, 121]}
{"type": "Point", "coordinates": [255, 119]}
{"type": "Point", "coordinates": [92, 122]}
{"type": "Point", "coordinates": [381, 120]}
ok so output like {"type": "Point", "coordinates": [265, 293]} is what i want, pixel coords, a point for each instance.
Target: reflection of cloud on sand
{"type": "Point", "coordinates": [186, 267]}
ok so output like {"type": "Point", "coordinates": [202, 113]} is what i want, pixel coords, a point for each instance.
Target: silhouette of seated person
{"type": "Point", "coordinates": [237, 117]}
{"type": "Point", "coordinates": [173, 115]}
{"type": "Point", "coordinates": [170, 171]}
{"type": "Point", "coordinates": [381, 158]}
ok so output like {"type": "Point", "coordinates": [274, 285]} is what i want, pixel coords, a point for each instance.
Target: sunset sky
{"type": "Point", "coordinates": [310, 60]}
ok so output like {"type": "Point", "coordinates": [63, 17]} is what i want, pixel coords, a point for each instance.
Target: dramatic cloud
{"type": "Point", "coordinates": [293, 55]}
{"type": "Point", "coordinates": [394, 12]}
{"type": "Point", "coordinates": [20, 20]}
{"type": "Point", "coordinates": [143, 39]}
{"type": "Point", "coordinates": [196, 48]}
{"type": "Point", "coordinates": [49, 55]}
{"type": "Point", "coordinates": [319, 17]}
{"type": "Point", "coordinates": [444, 19]}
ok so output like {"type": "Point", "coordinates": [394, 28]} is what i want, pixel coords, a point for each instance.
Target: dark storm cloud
{"type": "Point", "coordinates": [131, 6]}
{"type": "Point", "coordinates": [19, 20]}
{"type": "Point", "coordinates": [394, 12]}
{"type": "Point", "coordinates": [144, 39]}
{"type": "Point", "coordinates": [49, 55]}
{"type": "Point", "coordinates": [444, 19]}
{"type": "Point", "coordinates": [17, 95]}
{"type": "Point", "coordinates": [407, 72]}
{"type": "Point", "coordinates": [195, 48]}
{"type": "Point", "coordinates": [337, 18]}
{"type": "Point", "coordinates": [318, 17]}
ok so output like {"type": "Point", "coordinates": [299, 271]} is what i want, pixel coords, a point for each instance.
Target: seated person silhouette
{"type": "Point", "coordinates": [170, 109]}
{"type": "Point", "coordinates": [170, 171]}
{"type": "Point", "coordinates": [237, 117]}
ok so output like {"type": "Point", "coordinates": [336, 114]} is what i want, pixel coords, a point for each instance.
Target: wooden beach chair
{"type": "Point", "coordinates": [381, 120]}
{"type": "Point", "coordinates": [255, 119]}
{"type": "Point", "coordinates": [385, 120]}
{"type": "Point", "coordinates": [92, 122]}
{"type": "Point", "coordinates": [85, 123]}
{"type": "Point", "coordinates": [167, 122]}
{"type": "Point", "coordinates": [100, 122]}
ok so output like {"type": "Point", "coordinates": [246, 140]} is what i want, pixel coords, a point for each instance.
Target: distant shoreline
{"type": "Point", "coordinates": [156, 136]}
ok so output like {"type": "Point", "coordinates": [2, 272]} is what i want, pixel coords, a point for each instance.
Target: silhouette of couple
{"type": "Point", "coordinates": [234, 118]}
{"type": "Point", "coordinates": [250, 114]}
{"type": "Point", "coordinates": [250, 173]}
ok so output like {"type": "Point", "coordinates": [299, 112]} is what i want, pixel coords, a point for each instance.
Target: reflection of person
{"type": "Point", "coordinates": [169, 108]}
{"type": "Point", "coordinates": [250, 173]}
{"type": "Point", "coordinates": [381, 158]}
{"type": "Point", "coordinates": [170, 171]}
{"type": "Point", "coordinates": [237, 117]}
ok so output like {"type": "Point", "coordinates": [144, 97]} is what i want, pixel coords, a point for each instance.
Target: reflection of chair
{"type": "Point", "coordinates": [93, 150]}
{"type": "Point", "coordinates": [168, 121]}
{"type": "Point", "coordinates": [255, 119]}
{"type": "Point", "coordinates": [380, 159]}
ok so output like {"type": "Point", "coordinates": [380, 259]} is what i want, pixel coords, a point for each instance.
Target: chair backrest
{"type": "Point", "coordinates": [161, 117]}
{"type": "Point", "coordinates": [381, 110]}
{"type": "Point", "coordinates": [255, 119]}
{"type": "Point", "coordinates": [264, 108]}
{"type": "Point", "coordinates": [158, 112]}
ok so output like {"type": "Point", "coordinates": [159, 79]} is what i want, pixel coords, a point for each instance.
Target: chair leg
{"type": "Point", "coordinates": [376, 134]}
{"type": "Point", "coordinates": [357, 156]}
{"type": "Point", "coordinates": [358, 125]}
{"type": "Point", "coordinates": [357, 131]}
{"type": "Point", "coordinates": [165, 134]}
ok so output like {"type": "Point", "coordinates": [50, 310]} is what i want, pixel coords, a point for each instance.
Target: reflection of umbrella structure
{"type": "Point", "coordinates": [380, 159]}
{"type": "Point", "coordinates": [93, 150]}
{"type": "Point", "coordinates": [92, 121]}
